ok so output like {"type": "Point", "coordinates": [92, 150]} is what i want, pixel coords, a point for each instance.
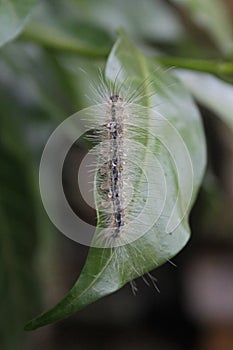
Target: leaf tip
{"type": "Point", "coordinates": [29, 326]}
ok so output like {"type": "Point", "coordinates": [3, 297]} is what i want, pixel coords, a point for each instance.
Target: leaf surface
{"type": "Point", "coordinates": [211, 92]}
{"type": "Point", "coordinates": [13, 15]}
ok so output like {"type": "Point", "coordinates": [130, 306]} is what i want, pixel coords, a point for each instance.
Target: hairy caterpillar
{"type": "Point", "coordinates": [154, 179]}
{"type": "Point", "coordinates": [133, 143]}
{"type": "Point", "coordinates": [125, 190]}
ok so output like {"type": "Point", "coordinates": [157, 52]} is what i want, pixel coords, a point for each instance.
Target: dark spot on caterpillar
{"type": "Point", "coordinates": [114, 162]}
{"type": "Point", "coordinates": [118, 218]}
{"type": "Point", "coordinates": [113, 134]}
{"type": "Point", "coordinates": [114, 98]}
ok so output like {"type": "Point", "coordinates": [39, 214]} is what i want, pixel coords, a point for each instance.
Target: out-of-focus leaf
{"type": "Point", "coordinates": [107, 270]}
{"type": "Point", "coordinates": [13, 16]}
{"type": "Point", "coordinates": [152, 19]}
{"type": "Point", "coordinates": [212, 15]}
{"type": "Point", "coordinates": [73, 34]}
{"type": "Point", "coordinates": [18, 232]}
{"type": "Point", "coordinates": [211, 92]}
{"type": "Point", "coordinates": [42, 84]}
{"type": "Point", "coordinates": [82, 39]}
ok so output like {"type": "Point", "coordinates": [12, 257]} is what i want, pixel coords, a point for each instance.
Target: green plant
{"type": "Point", "coordinates": [44, 58]}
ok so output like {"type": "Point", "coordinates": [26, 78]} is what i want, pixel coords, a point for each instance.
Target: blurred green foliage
{"type": "Point", "coordinates": [41, 84]}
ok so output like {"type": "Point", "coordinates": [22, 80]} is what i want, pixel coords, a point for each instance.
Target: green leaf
{"type": "Point", "coordinates": [13, 17]}
{"type": "Point", "coordinates": [212, 15]}
{"type": "Point", "coordinates": [211, 92]}
{"type": "Point", "coordinates": [108, 269]}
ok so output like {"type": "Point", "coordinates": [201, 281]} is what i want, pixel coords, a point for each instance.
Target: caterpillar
{"type": "Point", "coordinates": [133, 143]}
{"type": "Point", "coordinates": [125, 189]}
{"type": "Point", "coordinates": [143, 177]}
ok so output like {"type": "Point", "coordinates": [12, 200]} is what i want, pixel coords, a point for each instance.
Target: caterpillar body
{"type": "Point", "coordinates": [125, 170]}
{"type": "Point", "coordinates": [133, 145]}
{"type": "Point", "coordinates": [113, 172]}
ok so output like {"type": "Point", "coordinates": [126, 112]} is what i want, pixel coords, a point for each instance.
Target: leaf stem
{"type": "Point", "coordinates": [55, 39]}
{"type": "Point", "coordinates": [209, 66]}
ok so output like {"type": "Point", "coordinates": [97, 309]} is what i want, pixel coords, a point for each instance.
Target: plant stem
{"type": "Point", "coordinates": [209, 66]}
{"type": "Point", "coordinates": [55, 39]}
